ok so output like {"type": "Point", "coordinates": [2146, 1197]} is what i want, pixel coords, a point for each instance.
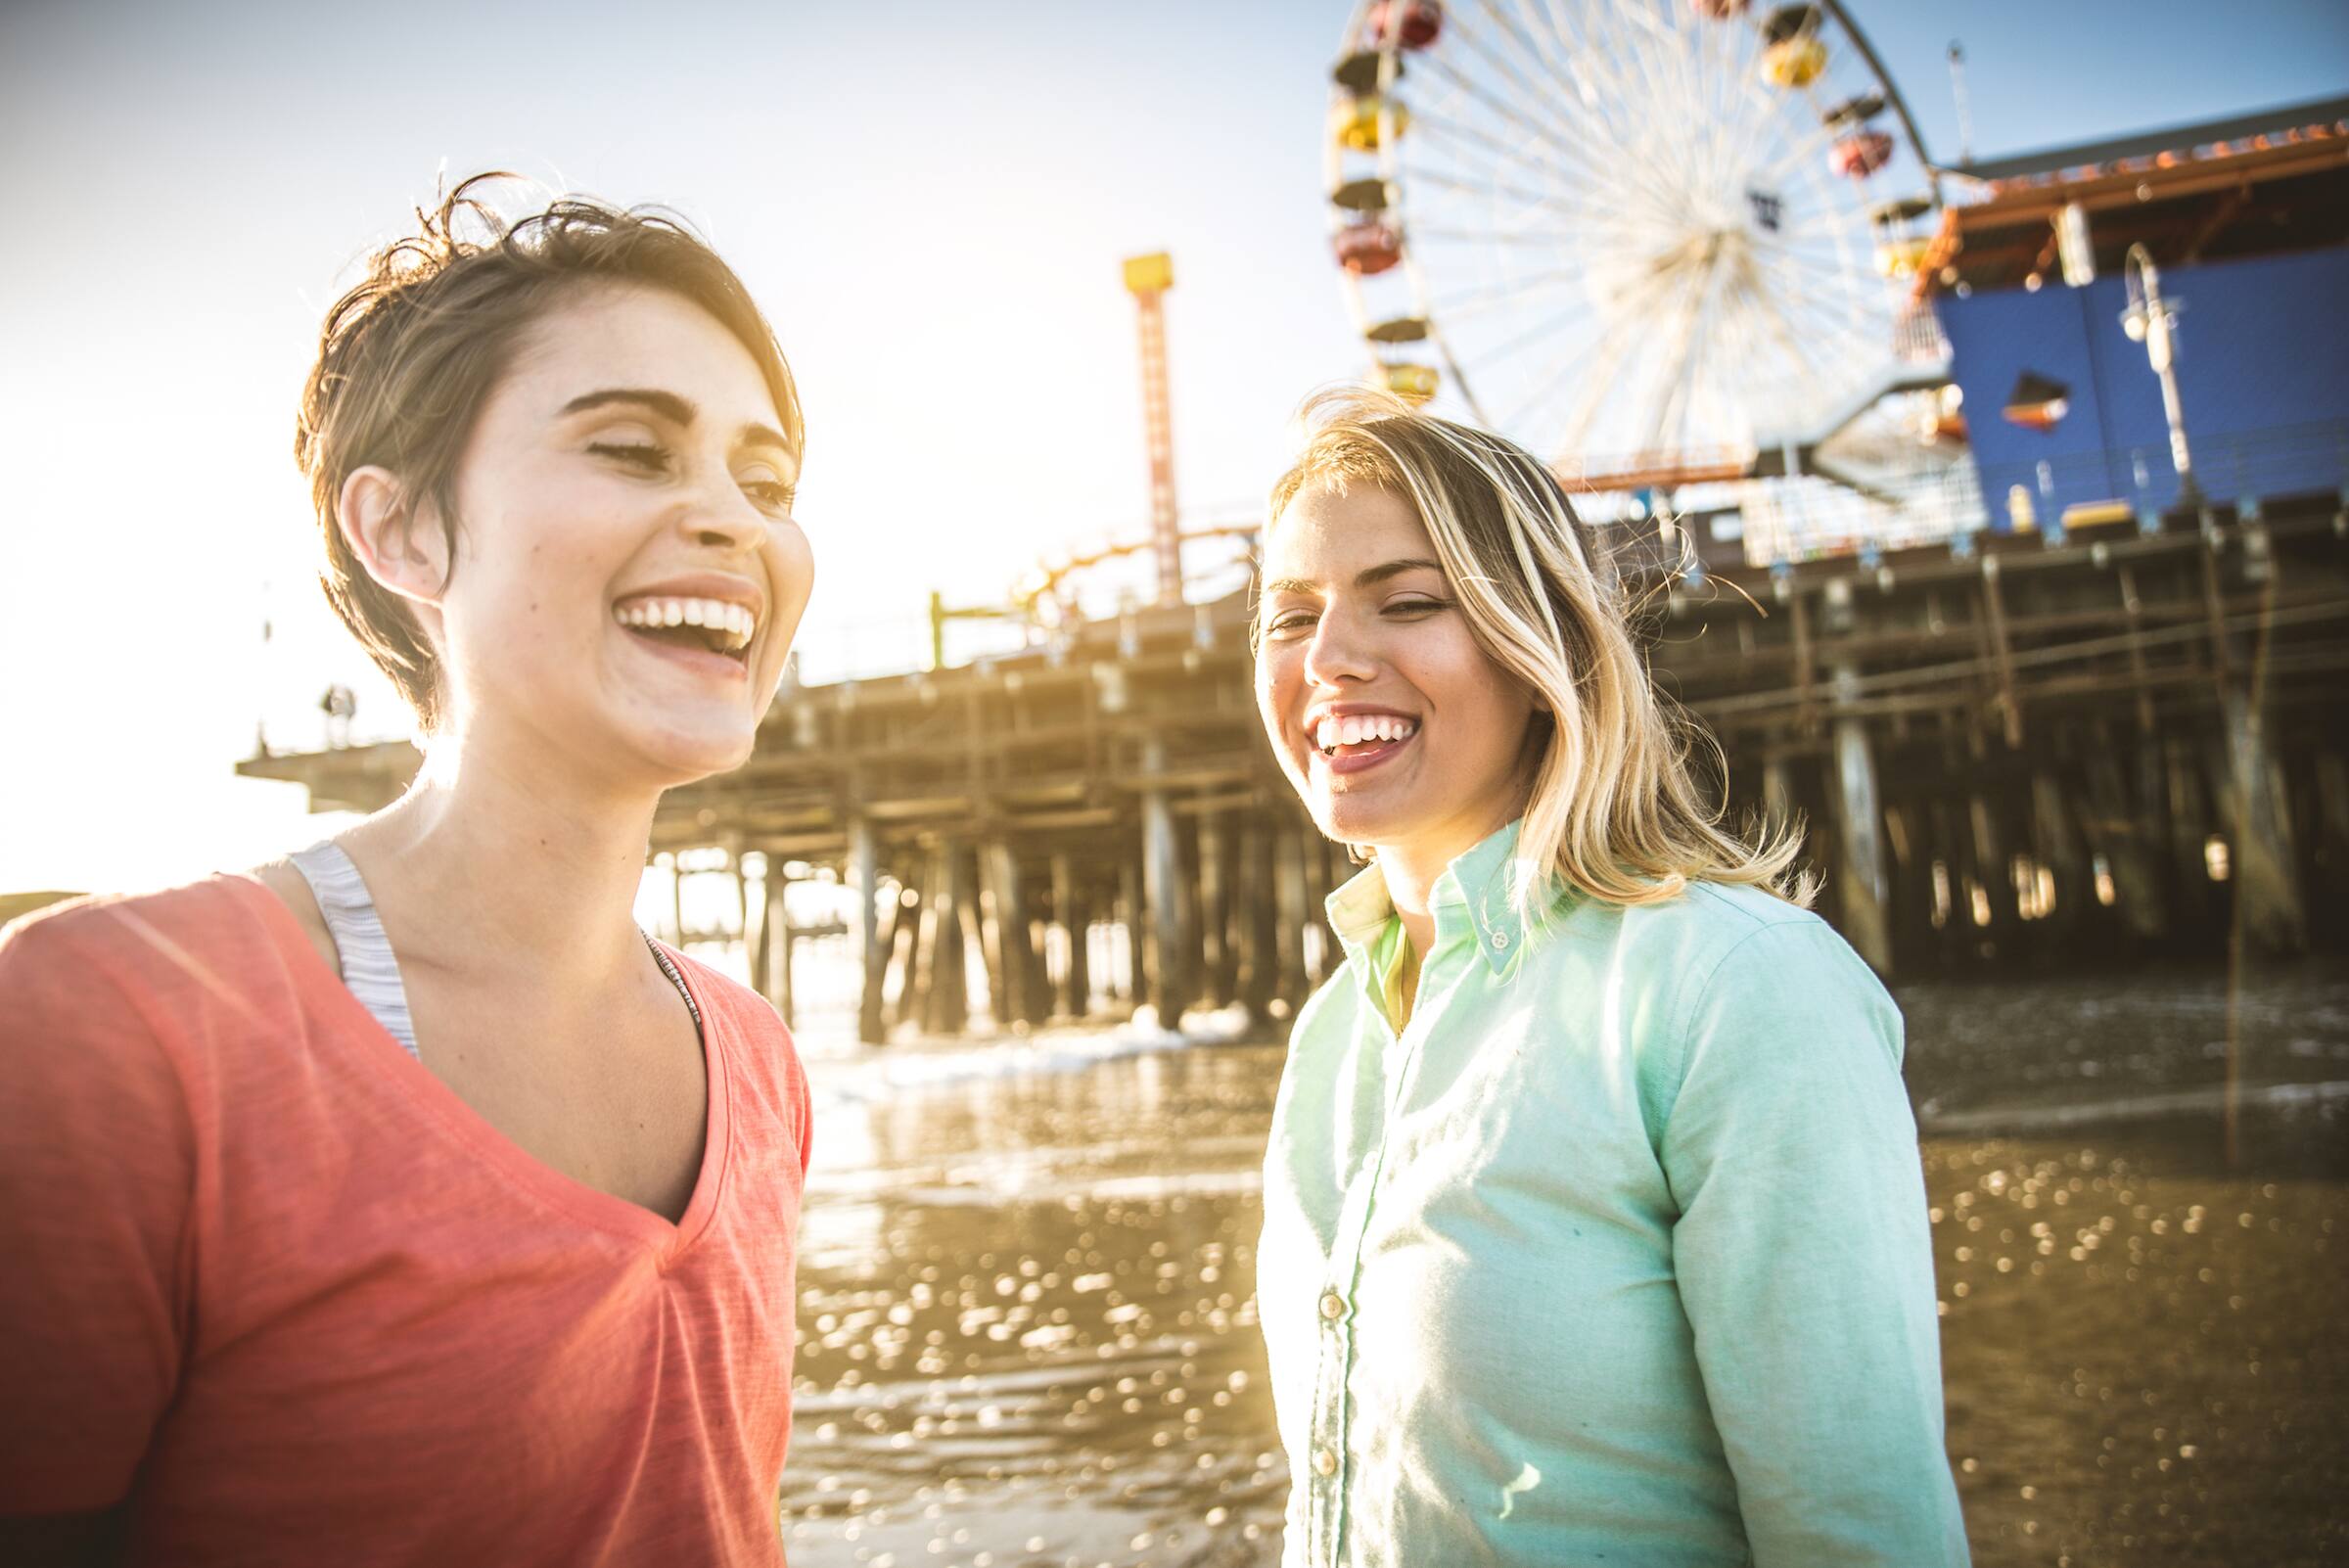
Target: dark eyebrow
{"type": "Point", "coordinates": [667, 404]}
{"type": "Point", "coordinates": [1368, 577]}
{"type": "Point", "coordinates": [767, 435]}
{"type": "Point", "coordinates": [676, 410]}
{"type": "Point", "coordinates": [1396, 569]}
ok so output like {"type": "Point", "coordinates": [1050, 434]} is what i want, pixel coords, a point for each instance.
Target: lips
{"type": "Point", "coordinates": [1354, 743]}
{"type": "Point", "coordinates": [699, 631]}
{"type": "Point", "coordinates": [715, 623]}
{"type": "Point", "coordinates": [729, 666]}
{"type": "Point", "coordinates": [1333, 731]}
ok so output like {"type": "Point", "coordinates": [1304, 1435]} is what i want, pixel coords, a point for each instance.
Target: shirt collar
{"type": "Point", "coordinates": [1480, 886]}
{"type": "Point", "coordinates": [1359, 908]}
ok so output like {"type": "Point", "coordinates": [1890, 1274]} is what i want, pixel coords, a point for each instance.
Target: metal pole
{"type": "Point", "coordinates": [2153, 321]}
{"type": "Point", "coordinates": [2074, 247]}
{"type": "Point", "coordinates": [1966, 118]}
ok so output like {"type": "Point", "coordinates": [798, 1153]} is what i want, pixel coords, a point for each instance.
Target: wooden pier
{"type": "Point", "coordinates": [2010, 751]}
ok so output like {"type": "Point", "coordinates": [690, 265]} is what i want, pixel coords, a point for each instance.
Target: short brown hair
{"type": "Point", "coordinates": [409, 355]}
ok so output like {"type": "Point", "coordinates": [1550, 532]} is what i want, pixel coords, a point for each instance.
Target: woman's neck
{"type": "Point", "coordinates": [1411, 871]}
{"type": "Point", "coordinates": [1411, 880]}
{"type": "Point", "coordinates": [513, 863]}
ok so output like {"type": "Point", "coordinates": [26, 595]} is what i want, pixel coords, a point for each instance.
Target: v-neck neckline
{"type": "Point", "coordinates": [591, 1206]}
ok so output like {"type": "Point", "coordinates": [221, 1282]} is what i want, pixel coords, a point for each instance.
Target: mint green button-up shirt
{"type": "Point", "coordinates": [1616, 1254]}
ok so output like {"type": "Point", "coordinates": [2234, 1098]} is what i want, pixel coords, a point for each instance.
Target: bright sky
{"type": "Point", "coordinates": [929, 200]}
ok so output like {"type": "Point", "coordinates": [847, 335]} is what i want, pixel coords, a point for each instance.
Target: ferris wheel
{"type": "Point", "coordinates": [1638, 235]}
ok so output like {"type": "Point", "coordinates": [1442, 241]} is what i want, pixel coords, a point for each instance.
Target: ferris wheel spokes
{"type": "Point", "coordinates": [1505, 112]}
{"type": "Point", "coordinates": [1601, 363]}
{"type": "Point", "coordinates": [1601, 179]}
{"type": "Point", "coordinates": [1552, 237]}
{"type": "Point", "coordinates": [1537, 104]}
{"type": "Point", "coordinates": [1547, 328]}
{"type": "Point", "coordinates": [1511, 291]}
{"type": "Point", "coordinates": [1539, 45]}
{"type": "Point", "coordinates": [1641, 227]}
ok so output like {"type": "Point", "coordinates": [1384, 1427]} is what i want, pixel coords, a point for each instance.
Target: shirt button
{"type": "Point", "coordinates": [1501, 939]}
{"type": "Point", "coordinates": [1333, 1306]}
{"type": "Point", "coordinates": [1326, 1463]}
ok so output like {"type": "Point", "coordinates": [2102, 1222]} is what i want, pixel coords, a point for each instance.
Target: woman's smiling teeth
{"type": "Point", "coordinates": [1356, 729]}
{"type": "Point", "coordinates": [726, 628]}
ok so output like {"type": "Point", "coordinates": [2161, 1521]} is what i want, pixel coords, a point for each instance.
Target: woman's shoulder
{"type": "Point", "coordinates": [739, 1009]}
{"type": "Point", "coordinates": [1779, 980]}
{"type": "Point", "coordinates": [1703, 925]}
{"type": "Point", "coordinates": [221, 952]}
{"type": "Point", "coordinates": [1726, 912]}
{"type": "Point", "coordinates": [1719, 938]}
{"type": "Point", "coordinates": [721, 992]}
{"type": "Point", "coordinates": [759, 1054]}
{"type": "Point", "coordinates": [125, 935]}
{"type": "Point", "coordinates": [1740, 928]}
{"type": "Point", "coordinates": [127, 994]}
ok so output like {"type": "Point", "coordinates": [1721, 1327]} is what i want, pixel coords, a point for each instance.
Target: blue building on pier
{"type": "Point", "coordinates": [2246, 225]}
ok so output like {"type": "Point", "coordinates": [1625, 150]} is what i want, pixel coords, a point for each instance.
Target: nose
{"type": "Point", "coordinates": [1337, 654]}
{"type": "Point", "coordinates": [723, 519]}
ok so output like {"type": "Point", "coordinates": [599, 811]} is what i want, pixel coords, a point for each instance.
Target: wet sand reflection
{"type": "Point", "coordinates": [1027, 1332]}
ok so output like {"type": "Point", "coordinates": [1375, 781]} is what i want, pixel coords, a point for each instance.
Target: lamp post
{"type": "Point", "coordinates": [2153, 321]}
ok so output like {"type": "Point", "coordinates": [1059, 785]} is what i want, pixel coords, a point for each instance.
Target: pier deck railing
{"type": "Point", "coordinates": [2121, 733]}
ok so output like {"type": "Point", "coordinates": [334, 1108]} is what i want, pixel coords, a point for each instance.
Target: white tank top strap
{"type": "Point", "coordinates": [369, 969]}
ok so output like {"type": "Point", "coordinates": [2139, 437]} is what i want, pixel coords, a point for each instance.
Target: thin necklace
{"type": "Point", "coordinates": [674, 979]}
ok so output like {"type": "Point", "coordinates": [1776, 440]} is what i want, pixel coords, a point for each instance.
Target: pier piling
{"type": "Point", "coordinates": [1862, 883]}
{"type": "Point", "coordinates": [872, 948]}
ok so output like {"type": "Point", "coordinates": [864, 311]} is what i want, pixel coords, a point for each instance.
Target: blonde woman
{"type": "Point", "coordinates": [1595, 1229]}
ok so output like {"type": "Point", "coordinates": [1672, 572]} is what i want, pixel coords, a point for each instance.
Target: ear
{"type": "Point", "coordinates": [400, 544]}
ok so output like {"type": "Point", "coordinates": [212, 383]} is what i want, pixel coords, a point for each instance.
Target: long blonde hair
{"type": "Point", "coordinates": [1615, 809]}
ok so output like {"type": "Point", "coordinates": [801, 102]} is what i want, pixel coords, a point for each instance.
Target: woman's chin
{"type": "Point", "coordinates": [1347, 822]}
{"type": "Point", "coordinates": [684, 754]}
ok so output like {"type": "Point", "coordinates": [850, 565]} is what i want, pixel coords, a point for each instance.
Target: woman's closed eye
{"type": "Point", "coordinates": [773, 495]}
{"type": "Point", "coordinates": [645, 457]}
{"type": "Point", "coordinates": [1411, 608]}
{"type": "Point", "coordinates": [652, 458]}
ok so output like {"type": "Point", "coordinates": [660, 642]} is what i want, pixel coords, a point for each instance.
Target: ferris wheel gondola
{"type": "Point", "coordinates": [1640, 236]}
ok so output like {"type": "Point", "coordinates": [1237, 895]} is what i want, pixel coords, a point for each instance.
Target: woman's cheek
{"type": "Point", "coordinates": [1272, 684]}
{"type": "Point", "coordinates": [790, 564]}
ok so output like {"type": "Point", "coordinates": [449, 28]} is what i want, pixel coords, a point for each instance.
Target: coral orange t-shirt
{"type": "Point", "coordinates": [265, 1277]}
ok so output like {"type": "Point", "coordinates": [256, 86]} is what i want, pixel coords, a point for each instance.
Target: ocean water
{"type": "Point", "coordinates": [1027, 1333]}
